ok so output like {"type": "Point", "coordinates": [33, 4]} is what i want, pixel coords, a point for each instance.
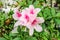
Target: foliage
{"type": "Point", "coordinates": [51, 29]}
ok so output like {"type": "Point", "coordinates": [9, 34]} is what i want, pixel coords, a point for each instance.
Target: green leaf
{"type": "Point", "coordinates": [6, 36]}
{"type": "Point", "coordinates": [31, 38]}
{"type": "Point", "coordinates": [19, 29]}
{"type": "Point", "coordinates": [1, 4]}
{"type": "Point", "coordinates": [29, 2]}
{"type": "Point", "coordinates": [59, 38]}
{"type": "Point", "coordinates": [36, 4]}
{"type": "Point", "coordinates": [53, 11]}
{"type": "Point", "coordinates": [22, 3]}
{"type": "Point", "coordinates": [2, 38]}
{"type": "Point", "coordinates": [45, 38]}
{"type": "Point", "coordinates": [58, 15]}
{"type": "Point", "coordinates": [17, 38]}
{"type": "Point", "coordinates": [40, 14]}
{"type": "Point", "coordinates": [57, 21]}
{"type": "Point", "coordinates": [46, 13]}
{"type": "Point", "coordinates": [12, 34]}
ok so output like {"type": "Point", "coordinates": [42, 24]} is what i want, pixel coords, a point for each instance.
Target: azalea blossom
{"type": "Point", "coordinates": [32, 19]}
{"type": "Point", "coordinates": [28, 18]}
{"type": "Point", "coordinates": [17, 15]}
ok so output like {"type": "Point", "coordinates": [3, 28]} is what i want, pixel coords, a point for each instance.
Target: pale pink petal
{"type": "Point", "coordinates": [31, 17]}
{"type": "Point", "coordinates": [37, 10]}
{"type": "Point", "coordinates": [23, 11]}
{"type": "Point", "coordinates": [28, 25]}
{"type": "Point", "coordinates": [23, 21]}
{"type": "Point", "coordinates": [31, 31]}
{"type": "Point", "coordinates": [34, 22]}
{"type": "Point", "coordinates": [38, 28]}
{"type": "Point", "coordinates": [25, 16]}
{"type": "Point", "coordinates": [31, 7]}
{"type": "Point", "coordinates": [40, 19]}
{"type": "Point", "coordinates": [26, 9]}
{"type": "Point", "coordinates": [14, 30]}
{"type": "Point", "coordinates": [16, 15]}
{"type": "Point", "coordinates": [17, 24]}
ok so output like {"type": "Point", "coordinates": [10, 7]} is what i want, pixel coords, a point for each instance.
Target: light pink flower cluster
{"type": "Point", "coordinates": [28, 17]}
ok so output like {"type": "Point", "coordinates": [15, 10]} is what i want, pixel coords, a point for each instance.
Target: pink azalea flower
{"type": "Point", "coordinates": [28, 17]}
{"type": "Point", "coordinates": [17, 15]}
{"type": "Point", "coordinates": [27, 14]}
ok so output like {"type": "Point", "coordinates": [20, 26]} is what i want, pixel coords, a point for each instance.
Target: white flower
{"type": "Point", "coordinates": [6, 10]}
{"type": "Point", "coordinates": [11, 2]}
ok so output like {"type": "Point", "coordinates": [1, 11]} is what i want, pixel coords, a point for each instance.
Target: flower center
{"type": "Point", "coordinates": [34, 22]}
{"type": "Point", "coordinates": [32, 12]}
{"type": "Point", "coordinates": [18, 14]}
{"type": "Point", "coordinates": [27, 17]}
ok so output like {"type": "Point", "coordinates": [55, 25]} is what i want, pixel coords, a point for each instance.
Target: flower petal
{"type": "Point", "coordinates": [14, 30]}
{"type": "Point", "coordinates": [17, 15]}
{"type": "Point", "coordinates": [31, 7]}
{"type": "Point", "coordinates": [40, 19]}
{"type": "Point", "coordinates": [14, 16]}
{"type": "Point", "coordinates": [38, 28]}
{"type": "Point", "coordinates": [21, 23]}
{"type": "Point", "coordinates": [15, 9]}
{"type": "Point", "coordinates": [17, 24]}
{"type": "Point", "coordinates": [31, 31]}
{"type": "Point", "coordinates": [37, 10]}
